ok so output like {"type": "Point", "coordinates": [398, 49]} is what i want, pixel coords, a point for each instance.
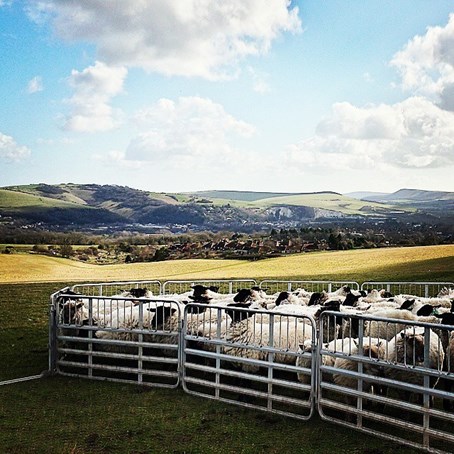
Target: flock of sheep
{"type": "Point", "coordinates": [398, 334]}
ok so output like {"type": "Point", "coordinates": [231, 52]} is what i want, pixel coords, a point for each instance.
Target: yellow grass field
{"type": "Point", "coordinates": [393, 264]}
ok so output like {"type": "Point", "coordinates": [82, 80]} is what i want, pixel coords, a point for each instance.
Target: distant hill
{"type": "Point", "coordinates": [412, 195]}
{"type": "Point", "coordinates": [90, 204]}
{"type": "Point", "coordinates": [365, 195]}
{"type": "Point", "coordinates": [433, 202]}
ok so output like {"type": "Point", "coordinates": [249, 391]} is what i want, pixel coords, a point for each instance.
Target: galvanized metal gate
{"type": "Point", "coordinates": [423, 289]}
{"type": "Point", "coordinates": [400, 390]}
{"type": "Point", "coordinates": [222, 285]}
{"type": "Point", "coordinates": [113, 338]}
{"type": "Point", "coordinates": [154, 288]}
{"type": "Point", "coordinates": [274, 286]}
{"type": "Point", "coordinates": [250, 361]}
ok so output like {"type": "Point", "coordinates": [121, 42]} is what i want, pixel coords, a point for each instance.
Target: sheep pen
{"type": "Point", "coordinates": [209, 327]}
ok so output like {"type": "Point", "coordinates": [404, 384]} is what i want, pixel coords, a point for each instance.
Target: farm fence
{"type": "Point", "coordinates": [253, 366]}
{"type": "Point", "coordinates": [111, 338]}
{"type": "Point", "coordinates": [400, 390]}
{"type": "Point", "coordinates": [422, 289]}
{"type": "Point", "coordinates": [116, 288]}
{"type": "Point", "coordinates": [273, 286]}
{"type": "Point", "coordinates": [222, 285]}
{"type": "Point", "coordinates": [274, 361]}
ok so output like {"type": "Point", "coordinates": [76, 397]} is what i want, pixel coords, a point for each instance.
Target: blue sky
{"type": "Point", "coordinates": [257, 95]}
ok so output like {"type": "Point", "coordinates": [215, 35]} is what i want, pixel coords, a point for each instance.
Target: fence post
{"type": "Point", "coordinates": [53, 334]}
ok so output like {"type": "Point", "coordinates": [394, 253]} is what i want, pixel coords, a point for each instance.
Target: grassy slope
{"type": "Point", "coordinates": [12, 200]}
{"type": "Point", "coordinates": [324, 200]}
{"type": "Point", "coordinates": [327, 201]}
{"type": "Point", "coordinates": [77, 197]}
{"type": "Point", "coordinates": [395, 264]}
{"type": "Point", "coordinates": [245, 196]}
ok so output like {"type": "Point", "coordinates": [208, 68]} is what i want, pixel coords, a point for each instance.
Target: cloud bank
{"type": "Point", "coordinates": [182, 132]}
{"type": "Point", "coordinates": [426, 64]}
{"type": "Point", "coordinates": [417, 133]}
{"type": "Point", "coordinates": [192, 38]}
{"type": "Point", "coordinates": [412, 134]}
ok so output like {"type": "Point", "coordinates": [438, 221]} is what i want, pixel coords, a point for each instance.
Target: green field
{"type": "Point", "coordinates": [423, 263]}
{"type": "Point", "coordinates": [65, 415]}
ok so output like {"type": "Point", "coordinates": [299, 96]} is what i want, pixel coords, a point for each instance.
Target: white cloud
{"type": "Point", "coordinates": [190, 131]}
{"type": "Point", "coordinates": [94, 87]}
{"type": "Point", "coordinates": [10, 150]}
{"type": "Point", "coordinates": [412, 134]}
{"type": "Point", "coordinates": [116, 157]}
{"type": "Point", "coordinates": [35, 85]}
{"type": "Point", "coordinates": [417, 133]}
{"type": "Point", "coordinates": [426, 64]}
{"type": "Point", "coordinates": [190, 38]}
{"type": "Point", "coordinates": [259, 81]}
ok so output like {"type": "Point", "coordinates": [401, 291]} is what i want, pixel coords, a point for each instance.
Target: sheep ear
{"type": "Point", "coordinates": [355, 341]}
{"type": "Point", "coordinates": [402, 335]}
{"type": "Point", "coordinates": [379, 343]}
{"type": "Point", "coordinates": [79, 305]}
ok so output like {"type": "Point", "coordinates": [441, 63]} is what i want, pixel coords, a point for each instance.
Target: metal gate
{"type": "Point", "coordinates": [223, 286]}
{"type": "Point", "coordinates": [116, 288]}
{"type": "Point", "coordinates": [115, 338]}
{"type": "Point", "coordinates": [250, 361]}
{"type": "Point", "coordinates": [274, 286]}
{"type": "Point", "coordinates": [423, 289]}
{"type": "Point", "coordinates": [393, 380]}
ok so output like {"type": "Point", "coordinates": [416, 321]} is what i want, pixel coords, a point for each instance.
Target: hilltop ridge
{"type": "Point", "coordinates": [84, 204]}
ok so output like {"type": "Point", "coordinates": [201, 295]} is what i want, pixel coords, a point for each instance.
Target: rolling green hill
{"type": "Point", "coordinates": [93, 204]}
{"type": "Point", "coordinates": [327, 201]}
{"type": "Point", "coordinates": [29, 207]}
{"type": "Point", "coordinates": [414, 195]}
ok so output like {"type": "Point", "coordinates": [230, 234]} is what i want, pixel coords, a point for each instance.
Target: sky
{"type": "Point", "coordinates": [257, 95]}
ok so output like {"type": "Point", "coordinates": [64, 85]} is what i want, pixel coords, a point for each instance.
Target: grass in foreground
{"type": "Point", "coordinates": [63, 415]}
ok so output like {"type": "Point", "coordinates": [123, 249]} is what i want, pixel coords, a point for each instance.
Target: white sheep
{"type": "Point", "coordinates": [387, 329]}
{"type": "Point", "coordinates": [157, 324]}
{"type": "Point", "coordinates": [406, 351]}
{"type": "Point", "coordinates": [372, 349]}
{"type": "Point", "coordinates": [304, 361]}
{"type": "Point", "coordinates": [286, 338]}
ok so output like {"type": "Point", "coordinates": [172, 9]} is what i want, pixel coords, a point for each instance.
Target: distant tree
{"type": "Point", "coordinates": [66, 250]}
{"type": "Point", "coordinates": [333, 241]}
{"type": "Point", "coordinates": [160, 255]}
